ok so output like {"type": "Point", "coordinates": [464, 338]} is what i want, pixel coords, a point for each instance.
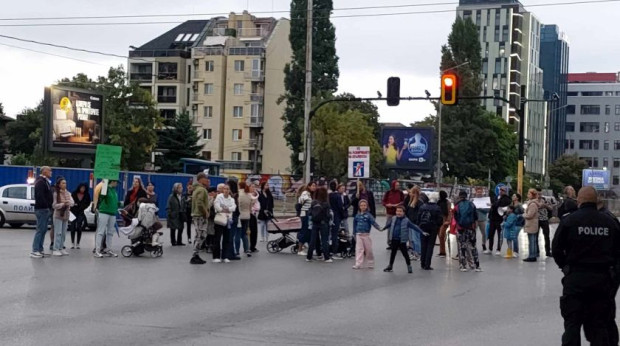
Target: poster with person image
{"type": "Point", "coordinates": [408, 148]}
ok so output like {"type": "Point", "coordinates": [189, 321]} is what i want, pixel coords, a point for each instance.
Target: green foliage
{"type": "Point", "coordinates": [180, 139]}
{"type": "Point", "coordinates": [365, 107]}
{"type": "Point", "coordinates": [566, 170]}
{"type": "Point", "coordinates": [20, 160]}
{"type": "Point", "coordinates": [324, 64]}
{"type": "Point", "coordinates": [130, 117]}
{"type": "Point", "coordinates": [25, 132]}
{"type": "Point", "coordinates": [334, 132]}
{"type": "Point", "coordinates": [473, 140]}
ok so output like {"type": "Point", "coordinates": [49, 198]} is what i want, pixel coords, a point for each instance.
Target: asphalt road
{"type": "Point", "coordinates": [269, 299]}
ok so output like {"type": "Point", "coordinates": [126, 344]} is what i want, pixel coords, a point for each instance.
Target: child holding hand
{"type": "Point", "coordinates": [362, 224]}
{"type": "Point", "coordinates": [400, 233]}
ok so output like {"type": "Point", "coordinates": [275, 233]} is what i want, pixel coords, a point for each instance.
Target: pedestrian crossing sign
{"type": "Point", "coordinates": [359, 163]}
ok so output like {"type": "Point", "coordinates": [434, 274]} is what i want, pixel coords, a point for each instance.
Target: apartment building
{"type": "Point", "coordinates": [510, 42]}
{"type": "Point", "coordinates": [231, 80]}
{"type": "Point", "coordinates": [593, 121]}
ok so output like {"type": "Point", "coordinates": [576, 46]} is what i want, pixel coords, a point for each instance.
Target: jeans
{"type": "Point", "coordinates": [388, 220]}
{"type": "Point", "coordinates": [228, 237]}
{"type": "Point", "coordinates": [60, 232]}
{"type": "Point", "coordinates": [416, 243]}
{"type": "Point", "coordinates": [262, 228]}
{"type": "Point", "coordinates": [335, 229]}
{"type": "Point", "coordinates": [482, 227]}
{"type": "Point", "coordinates": [241, 235]}
{"type": "Point", "coordinates": [43, 217]}
{"type": "Point", "coordinates": [304, 235]}
{"type": "Point", "coordinates": [544, 225]}
{"type": "Point", "coordinates": [323, 229]}
{"type": "Point", "coordinates": [532, 240]}
{"type": "Point", "coordinates": [105, 228]}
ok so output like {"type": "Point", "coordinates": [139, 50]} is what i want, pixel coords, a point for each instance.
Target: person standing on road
{"type": "Point", "coordinates": [265, 198]}
{"type": "Point", "coordinates": [586, 246]}
{"type": "Point", "coordinates": [224, 207]}
{"type": "Point", "coordinates": [444, 205]}
{"type": "Point", "coordinates": [466, 216]}
{"type": "Point", "coordinates": [336, 202]}
{"type": "Point", "coordinates": [305, 200]}
{"type": "Point", "coordinates": [107, 206]}
{"type": "Point", "coordinates": [43, 200]}
{"type": "Point", "coordinates": [175, 208]}
{"type": "Point", "coordinates": [81, 197]}
{"type": "Point", "coordinates": [362, 224]}
{"type": "Point", "coordinates": [400, 228]}
{"type": "Point", "coordinates": [482, 223]}
{"type": "Point", "coordinates": [544, 212]}
{"type": "Point", "coordinates": [569, 204]}
{"type": "Point", "coordinates": [363, 193]}
{"type": "Point", "coordinates": [62, 205]}
{"type": "Point", "coordinates": [412, 207]}
{"type": "Point", "coordinates": [496, 219]}
{"type": "Point", "coordinates": [233, 227]}
{"type": "Point", "coordinates": [511, 232]}
{"type": "Point", "coordinates": [201, 204]}
{"type": "Point", "coordinates": [429, 219]}
{"type": "Point", "coordinates": [320, 212]}
{"type": "Point", "coordinates": [393, 197]}
{"type": "Point", "coordinates": [531, 225]}
{"type": "Point", "coordinates": [150, 193]}
{"type": "Point", "coordinates": [137, 191]}
{"type": "Point", "coordinates": [246, 203]}
{"type": "Point", "coordinates": [187, 198]}
{"type": "Point", "coordinates": [253, 238]}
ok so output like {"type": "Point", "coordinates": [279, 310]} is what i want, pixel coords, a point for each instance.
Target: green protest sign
{"type": "Point", "coordinates": [108, 161]}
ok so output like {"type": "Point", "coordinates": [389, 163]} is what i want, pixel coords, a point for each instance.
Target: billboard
{"type": "Point", "coordinates": [597, 178]}
{"type": "Point", "coordinates": [409, 148]}
{"type": "Point", "coordinates": [74, 120]}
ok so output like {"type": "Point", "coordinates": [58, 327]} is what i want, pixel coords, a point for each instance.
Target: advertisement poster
{"type": "Point", "coordinates": [409, 148]}
{"type": "Point", "coordinates": [75, 119]}
{"type": "Point", "coordinates": [597, 178]}
{"type": "Point", "coordinates": [359, 162]}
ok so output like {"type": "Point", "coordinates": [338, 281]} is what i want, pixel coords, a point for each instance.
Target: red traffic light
{"type": "Point", "coordinates": [448, 89]}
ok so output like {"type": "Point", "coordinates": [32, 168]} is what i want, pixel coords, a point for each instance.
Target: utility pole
{"type": "Point", "coordinates": [308, 94]}
{"type": "Point", "coordinates": [439, 144]}
{"type": "Point", "coordinates": [521, 113]}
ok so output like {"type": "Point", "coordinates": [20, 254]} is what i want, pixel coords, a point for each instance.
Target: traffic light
{"type": "Point", "coordinates": [449, 89]}
{"type": "Point", "coordinates": [393, 91]}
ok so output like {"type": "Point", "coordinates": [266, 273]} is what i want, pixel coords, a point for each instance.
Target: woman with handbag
{"type": "Point", "coordinates": [61, 205]}
{"type": "Point", "coordinates": [224, 207]}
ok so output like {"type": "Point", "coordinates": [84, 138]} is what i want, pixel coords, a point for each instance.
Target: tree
{"type": "Point", "coordinates": [473, 140]}
{"type": "Point", "coordinates": [25, 132]}
{"type": "Point", "coordinates": [181, 141]}
{"type": "Point", "coordinates": [369, 109]}
{"type": "Point", "coordinates": [334, 132]}
{"type": "Point", "coordinates": [566, 170]}
{"type": "Point", "coordinates": [324, 65]}
{"type": "Point", "coordinates": [130, 117]}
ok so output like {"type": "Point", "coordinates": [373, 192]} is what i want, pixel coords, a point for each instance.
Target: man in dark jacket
{"type": "Point", "coordinates": [569, 204]}
{"type": "Point", "coordinates": [337, 205]}
{"type": "Point", "coordinates": [430, 218]}
{"type": "Point", "coordinates": [586, 246]}
{"type": "Point", "coordinates": [495, 225]}
{"type": "Point", "coordinates": [43, 200]}
{"type": "Point", "coordinates": [393, 197]}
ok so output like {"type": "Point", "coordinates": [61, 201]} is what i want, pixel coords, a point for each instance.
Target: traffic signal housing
{"type": "Point", "coordinates": [449, 89]}
{"type": "Point", "coordinates": [393, 91]}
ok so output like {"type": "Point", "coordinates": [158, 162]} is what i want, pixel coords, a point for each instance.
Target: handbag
{"type": "Point", "coordinates": [221, 219]}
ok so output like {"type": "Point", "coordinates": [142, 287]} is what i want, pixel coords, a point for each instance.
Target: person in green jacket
{"type": "Point", "coordinates": [107, 206]}
{"type": "Point", "coordinates": [201, 205]}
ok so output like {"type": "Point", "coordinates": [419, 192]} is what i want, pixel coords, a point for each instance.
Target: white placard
{"type": "Point", "coordinates": [359, 162]}
{"type": "Point", "coordinates": [482, 202]}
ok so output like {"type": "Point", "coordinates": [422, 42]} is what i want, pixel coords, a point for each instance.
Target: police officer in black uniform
{"type": "Point", "coordinates": [586, 246]}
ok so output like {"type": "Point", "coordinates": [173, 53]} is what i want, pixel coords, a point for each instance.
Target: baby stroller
{"type": "Point", "coordinates": [143, 233]}
{"type": "Point", "coordinates": [346, 244]}
{"type": "Point", "coordinates": [284, 228]}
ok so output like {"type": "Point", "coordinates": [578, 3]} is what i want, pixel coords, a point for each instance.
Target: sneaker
{"type": "Point", "coordinates": [197, 260]}
{"type": "Point", "coordinates": [72, 246]}
{"type": "Point", "coordinates": [409, 269]}
{"type": "Point", "coordinates": [486, 252]}
{"type": "Point", "coordinates": [388, 270]}
{"type": "Point", "coordinates": [36, 254]}
{"type": "Point", "coordinates": [236, 258]}
{"type": "Point", "coordinates": [302, 253]}
{"type": "Point", "coordinates": [98, 254]}
{"type": "Point", "coordinates": [357, 267]}
{"type": "Point", "coordinates": [309, 260]}
{"type": "Point", "coordinates": [189, 241]}
{"type": "Point", "coordinates": [463, 269]}
{"type": "Point", "coordinates": [77, 246]}
{"type": "Point", "coordinates": [515, 255]}
{"type": "Point", "coordinates": [336, 257]}
{"type": "Point", "coordinates": [329, 261]}
{"type": "Point", "coordinates": [497, 253]}
{"type": "Point", "coordinates": [64, 252]}
{"type": "Point", "coordinates": [56, 253]}
{"type": "Point", "coordinates": [249, 254]}
{"type": "Point", "coordinates": [442, 255]}
{"type": "Point", "coordinates": [226, 260]}
{"type": "Point", "coordinates": [109, 253]}
{"type": "Point", "coordinates": [254, 250]}
{"type": "Point", "coordinates": [478, 270]}
{"type": "Point", "coordinates": [217, 260]}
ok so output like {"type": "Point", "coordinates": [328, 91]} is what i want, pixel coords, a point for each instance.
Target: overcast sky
{"type": "Point", "coordinates": [371, 49]}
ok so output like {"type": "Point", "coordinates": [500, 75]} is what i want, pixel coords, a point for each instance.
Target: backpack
{"type": "Point", "coordinates": [465, 214]}
{"type": "Point", "coordinates": [520, 221]}
{"type": "Point", "coordinates": [318, 212]}
{"type": "Point", "coordinates": [425, 218]}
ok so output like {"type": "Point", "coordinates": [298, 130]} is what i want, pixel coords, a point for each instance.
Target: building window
{"type": "Point", "coordinates": [167, 70]}
{"type": "Point", "coordinates": [208, 112]}
{"type": "Point", "coordinates": [504, 34]}
{"type": "Point", "coordinates": [168, 115]}
{"type": "Point", "coordinates": [484, 33]}
{"type": "Point", "coordinates": [237, 112]}
{"type": "Point", "coordinates": [496, 36]}
{"type": "Point", "coordinates": [237, 135]}
{"type": "Point", "coordinates": [572, 93]}
{"type": "Point", "coordinates": [166, 94]}
{"type": "Point", "coordinates": [238, 89]}
{"type": "Point", "coordinates": [590, 109]}
{"type": "Point", "coordinates": [589, 127]}
{"type": "Point", "coordinates": [208, 89]}
{"type": "Point", "coordinates": [588, 144]}
{"type": "Point", "coordinates": [617, 109]}
{"type": "Point", "coordinates": [488, 17]}
{"type": "Point", "coordinates": [478, 17]}
{"type": "Point", "coordinates": [235, 156]}
{"type": "Point", "coordinates": [239, 65]}
{"type": "Point", "coordinates": [606, 127]}
{"type": "Point", "coordinates": [607, 109]}
{"type": "Point", "coordinates": [616, 145]}
{"type": "Point", "coordinates": [609, 93]}
{"type": "Point", "coordinates": [605, 162]}
{"type": "Point", "coordinates": [616, 180]}
{"type": "Point", "coordinates": [569, 144]}
{"type": "Point", "coordinates": [591, 93]}
{"type": "Point", "coordinates": [206, 133]}
{"type": "Point", "coordinates": [570, 109]}
{"type": "Point", "coordinates": [616, 162]}
{"type": "Point", "coordinates": [570, 126]}
{"type": "Point", "coordinates": [605, 145]}
{"type": "Point", "coordinates": [485, 66]}
{"type": "Point", "coordinates": [209, 65]}
{"type": "Point", "coordinates": [497, 14]}
{"type": "Point", "coordinates": [616, 126]}
{"type": "Point", "coordinates": [206, 155]}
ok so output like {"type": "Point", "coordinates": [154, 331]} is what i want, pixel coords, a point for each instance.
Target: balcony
{"type": "Point", "coordinates": [260, 51]}
{"type": "Point", "coordinates": [141, 77]}
{"type": "Point", "coordinates": [253, 143]}
{"type": "Point", "coordinates": [207, 51]}
{"type": "Point", "coordinates": [239, 165]}
{"type": "Point", "coordinates": [223, 32]}
{"type": "Point", "coordinates": [160, 53]}
{"type": "Point", "coordinates": [255, 76]}
{"type": "Point", "coordinates": [255, 122]}
{"type": "Point", "coordinates": [167, 76]}
{"type": "Point", "coordinates": [251, 32]}
{"type": "Point", "coordinates": [257, 97]}
{"type": "Point", "coordinates": [198, 75]}
{"type": "Point", "coordinates": [166, 99]}
{"type": "Point", "coordinates": [196, 98]}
